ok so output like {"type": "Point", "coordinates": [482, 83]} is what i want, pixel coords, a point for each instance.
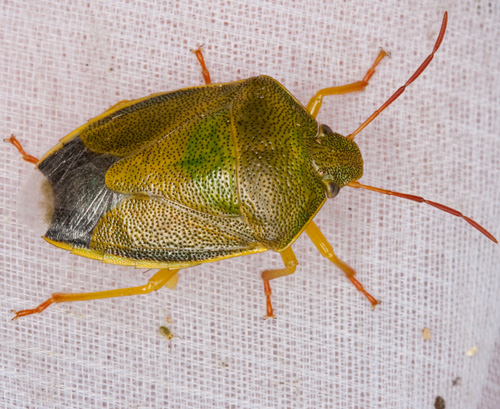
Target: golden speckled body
{"type": "Point", "coordinates": [205, 173]}
{"type": "Point", "coordinates": [187, 176]}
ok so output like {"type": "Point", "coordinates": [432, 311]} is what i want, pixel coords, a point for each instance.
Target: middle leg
{"type": "Point", "coordinates": [290, 265]}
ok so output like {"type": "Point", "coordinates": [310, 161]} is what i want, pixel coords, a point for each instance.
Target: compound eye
{"type": "Point", "coordinates": [326, 130]}
{"type": "Point", "coordinates": [332, 189]}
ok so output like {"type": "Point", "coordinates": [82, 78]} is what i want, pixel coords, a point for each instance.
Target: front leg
{"type": "Point", "coordinates": [326, 250]}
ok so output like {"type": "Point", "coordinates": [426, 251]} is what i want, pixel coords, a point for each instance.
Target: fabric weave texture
{"type": "Point", "coordinates": [64, 62]}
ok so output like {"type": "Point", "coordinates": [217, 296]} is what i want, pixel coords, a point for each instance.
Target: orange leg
{"type": "Point", "coordinates": [28, 158]}
{"type": "Point", "coordinates": [326, 250]}
{"type": "Point", "coordinates": [201, 60]}
{"type": "Point", "coordinates": [161, 278]}
{"type": "Point", "coordinates": [290, 265]}
{"type": "Point", "coordinates": [315, 102]}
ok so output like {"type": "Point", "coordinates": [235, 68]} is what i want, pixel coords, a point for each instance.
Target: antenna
{"type": "Point", "coordinates": [419, 71]}
{"type": "Point", "coordinates": [419, 199]}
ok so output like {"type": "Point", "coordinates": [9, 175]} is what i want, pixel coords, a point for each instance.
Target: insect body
{"type": "Point", "coordinates": [165, 331]}
{"type": "Point", "coordinates": [201, 174]}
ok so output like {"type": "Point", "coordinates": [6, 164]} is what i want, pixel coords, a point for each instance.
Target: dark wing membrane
{"type": "Point", "coordinates": [76, 176]}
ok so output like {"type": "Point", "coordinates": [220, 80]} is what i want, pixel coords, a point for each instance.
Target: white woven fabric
{"type": "Point", "coordinates": [64, 62]}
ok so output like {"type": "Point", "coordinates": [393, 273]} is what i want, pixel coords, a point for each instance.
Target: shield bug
{"type": "Point", "coordinates": [205, 173]}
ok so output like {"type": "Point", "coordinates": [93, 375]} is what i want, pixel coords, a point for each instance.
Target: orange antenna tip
{"type": "Point", "coordinates": [415, 75]}
{"type": "Point", "coordinates": [419, 199]}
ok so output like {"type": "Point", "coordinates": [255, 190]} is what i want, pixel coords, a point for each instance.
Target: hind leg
{"type": "Point", "coordinates": [161, 278]}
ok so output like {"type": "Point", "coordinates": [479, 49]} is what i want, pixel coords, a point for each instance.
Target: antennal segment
{"type": "Point", "coordinates": [419, 199]}
{"type": "Point", "coordinates": [419, 71]}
